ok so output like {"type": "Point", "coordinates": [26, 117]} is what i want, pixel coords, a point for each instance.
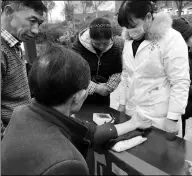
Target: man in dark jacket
{"type": "Point", "coordinates": [43, 138]}
{"type": "Point", "coordinates": [103, 53]}
{"type": "Point", "coordinates": [37, 140]}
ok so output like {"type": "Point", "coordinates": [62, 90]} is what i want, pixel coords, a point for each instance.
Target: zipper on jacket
{"type": "Point", "coordinates": [98, 63]}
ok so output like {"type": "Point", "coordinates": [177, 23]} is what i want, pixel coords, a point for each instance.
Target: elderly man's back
{"type": "Point", "coordinates": [35, 146]}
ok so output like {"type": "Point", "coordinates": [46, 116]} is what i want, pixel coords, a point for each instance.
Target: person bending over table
{"type": "Point", "coordinates": [43, 138]}
{"type": "Point", "coordinates": [155, 79]}
{"type": "Point", "coordinates": [103, 52]}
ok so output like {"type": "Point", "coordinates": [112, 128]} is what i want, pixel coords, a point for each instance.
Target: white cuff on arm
{"type": "Point", "coordinates": [91, 88]}
{"type": "Point", "coordinates": [173, 116]}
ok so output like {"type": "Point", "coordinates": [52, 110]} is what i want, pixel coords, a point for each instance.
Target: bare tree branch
{"type": "Point", "coordinates": [95, 6]}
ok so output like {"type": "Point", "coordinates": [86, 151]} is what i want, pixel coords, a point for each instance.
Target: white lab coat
{"type": "Point", "coordinates": [156, 82]}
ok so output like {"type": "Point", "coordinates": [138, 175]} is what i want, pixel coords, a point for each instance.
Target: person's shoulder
{"type": "Point", "coordinates": [20, 109]}
{"type": "Point", "coordinates": [172, 34]}
{"type": "Point", "coordinates": [69, 159]}
{"type": "Point", "coordinates": [51, 150]}
{"type": "Point", "coordinates": [46, 141]}
{"type": "Point", "coordinates": [68, 167]}
{"type": "Point", "coordinates": [76, 44]}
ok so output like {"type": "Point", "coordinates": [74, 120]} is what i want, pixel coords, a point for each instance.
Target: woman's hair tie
{"type": "Point", "coordinates": [100, 26]}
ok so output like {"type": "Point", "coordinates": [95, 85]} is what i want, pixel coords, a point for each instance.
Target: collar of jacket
{"type": "Point", "coordinates": [160, 25]}
{"type": "Point", "coordinates": [85, 40]}
{"type": "Point", "coordinates": [68, 125]}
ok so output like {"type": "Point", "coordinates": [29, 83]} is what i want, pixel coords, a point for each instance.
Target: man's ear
{"type": "Point", "coordinates": [80, 95]}
{"type": "Point", "coordinates": [8, 10]}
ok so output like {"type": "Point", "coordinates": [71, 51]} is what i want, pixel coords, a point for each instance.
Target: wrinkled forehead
{"type": "Point", "coordinates": [30, 13]}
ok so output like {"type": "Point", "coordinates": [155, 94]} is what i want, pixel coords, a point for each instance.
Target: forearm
{"type": "Point", "coordinates": [178, 100]}
{"type": "Point", "coordinates": [176, 65]}
{"type": "Point", "coordinates": [105, 132]}
{"type": "Point", "coordinates": [125, 127]}
{"type": "Point", "coordinates": [113, 81]}
{"type": "Point", "coordinates": [92, 88]}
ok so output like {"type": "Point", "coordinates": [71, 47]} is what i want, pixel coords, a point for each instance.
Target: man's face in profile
{"type": "Point", "coordinates": [25, 23]}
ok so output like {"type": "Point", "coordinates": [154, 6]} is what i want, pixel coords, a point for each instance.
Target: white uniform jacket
{"type": "Point", "coordinates": [155, 83]}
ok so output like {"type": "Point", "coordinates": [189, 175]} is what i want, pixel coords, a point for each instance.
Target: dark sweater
{"type": "Point", "coordinates": [41, 141]}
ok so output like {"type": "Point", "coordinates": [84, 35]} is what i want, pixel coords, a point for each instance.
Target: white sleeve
{"type": "Point", "coordinates": [177, 68]}
{"type": "Point", "coordinates": [123, 86]}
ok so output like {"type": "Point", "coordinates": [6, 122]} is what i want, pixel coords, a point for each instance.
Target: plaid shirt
{"type": "Point", "coordinates": [12, 41]}
{"type": "Point", "coordinates": [112, 83]}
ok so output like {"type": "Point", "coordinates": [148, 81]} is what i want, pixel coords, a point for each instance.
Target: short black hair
{"type": "Point", "coordinates": [103, 32]}
{"type": "Point", "coordinates": [36, 5]}
{"type": "Point", "coordinates": [137, 8]}
{"type": "Point", "coordinates": [57, 75]}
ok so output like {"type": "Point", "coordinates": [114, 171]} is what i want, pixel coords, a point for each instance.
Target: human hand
{"type": "Point", "coordinates": [142, 123]}
{"type": "Point", "coordinates": [171, 126]}
{"type": "Point", "coordinates": [102, 89]}
{"type": "Point", "coordinates": [121, 108]}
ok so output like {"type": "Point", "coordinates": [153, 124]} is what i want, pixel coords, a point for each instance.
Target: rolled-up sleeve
{"type": "Point", "coordinates": [176, 65]}
{"type": "Point", "coordinates": [114, 81]}
{"type": "Point", "coordinates": [92, 87]}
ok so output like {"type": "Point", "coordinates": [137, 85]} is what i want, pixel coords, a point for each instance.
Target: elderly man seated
{"type": "Point", "coordinates": [43, 138]}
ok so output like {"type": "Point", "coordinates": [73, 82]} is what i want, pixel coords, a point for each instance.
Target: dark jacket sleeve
{"type": "Point", "coordinates": [69, 167]}
{"type": "Point", "coordinates": [99, 135]}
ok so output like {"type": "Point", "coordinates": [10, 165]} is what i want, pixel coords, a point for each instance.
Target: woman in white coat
{"type": "Point", "coordinates": [155, 79]}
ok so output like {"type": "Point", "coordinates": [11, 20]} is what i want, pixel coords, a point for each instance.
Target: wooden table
{"type": "Point", "coordinates": [159, 155]}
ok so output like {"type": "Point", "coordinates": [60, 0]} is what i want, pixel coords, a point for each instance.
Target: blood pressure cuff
{"type": "Point", "coordinates": [104, 133]}
{"type": "Point", "coordinates": [127, 136]}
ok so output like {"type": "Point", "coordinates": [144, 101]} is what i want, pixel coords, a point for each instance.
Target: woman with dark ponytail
{"type": "Point", "coordinates": [155, 79]}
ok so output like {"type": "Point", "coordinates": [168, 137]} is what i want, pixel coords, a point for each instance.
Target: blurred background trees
{"type": "Point", "coordinates": [77, 15]}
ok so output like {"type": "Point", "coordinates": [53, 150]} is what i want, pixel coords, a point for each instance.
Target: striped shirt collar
{"type": "Point", "coordinates": [12, 41]}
